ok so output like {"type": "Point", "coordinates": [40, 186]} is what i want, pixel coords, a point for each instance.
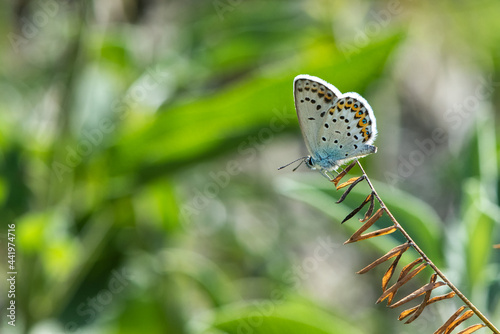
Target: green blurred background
{"type": "Point", "coordinates": [139, 147]}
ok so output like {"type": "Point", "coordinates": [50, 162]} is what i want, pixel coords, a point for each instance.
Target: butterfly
{"type": "Point", "coordinates": [336, 127]}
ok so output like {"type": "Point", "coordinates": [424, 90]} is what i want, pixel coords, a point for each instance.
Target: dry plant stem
{"type": "Point", "coordinates": [424, 256]}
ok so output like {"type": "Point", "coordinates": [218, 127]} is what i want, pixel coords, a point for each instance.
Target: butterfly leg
{"type": "Point", "coordinates": [326, 174]}
{"type": "Point", "coordinates": [331, 176]}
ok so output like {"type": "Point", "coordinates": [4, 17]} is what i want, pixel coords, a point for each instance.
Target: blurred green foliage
{"type": "Point", "coordinates": [139, 142]}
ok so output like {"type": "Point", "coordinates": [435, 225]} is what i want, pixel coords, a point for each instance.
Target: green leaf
{"type": "Point", "coordinates": [202, 271]}
{"type": "Point", "coordinates": [479, 231]}
{"type": "Point", "coordinates": [276, 316]}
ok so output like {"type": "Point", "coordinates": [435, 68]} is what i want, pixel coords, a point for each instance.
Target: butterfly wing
{"type": "Point", "coordinates": [349, 129]}
{"type": "Point", "coordinates": [313, 97]}
{"type": "Point", "coordinates": [336, 127]}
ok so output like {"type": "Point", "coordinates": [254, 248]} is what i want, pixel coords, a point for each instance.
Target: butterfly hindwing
{"type": "Point", "coordinates": [349, 128]}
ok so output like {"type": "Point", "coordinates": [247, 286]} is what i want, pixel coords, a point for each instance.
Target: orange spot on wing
{"type": "Point", "coordinates": [364, 132]}
{"type": "Point", "coordinates": [360, 123]}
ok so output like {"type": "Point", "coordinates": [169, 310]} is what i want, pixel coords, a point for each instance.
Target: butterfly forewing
{"type": "Point", "coordinates": [313, 97]}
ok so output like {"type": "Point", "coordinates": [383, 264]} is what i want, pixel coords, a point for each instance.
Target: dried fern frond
{"type": "Point", "coordinates": [409, 271]}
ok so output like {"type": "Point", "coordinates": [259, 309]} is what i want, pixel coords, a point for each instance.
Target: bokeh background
{"type": "Point", "coordinates": [139, 147]}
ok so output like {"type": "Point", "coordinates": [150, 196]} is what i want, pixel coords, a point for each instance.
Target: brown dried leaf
{"type": "Point", "coordinates": [398, 250]}
{"type": "Point", "coordinates": [454, 324]}
{"type": "Point", "coordinates": [472, 329]}
{"type": "Point", "coordinates": [370, 209]}
{"type": "Point", "coordinates": [349, 216]}
{"type": "Point", "coordinates": [353, 182]}
{"type": "Point", "coordinates": [496, 246]}
{"type": "Point", "coordinates": [424, 302]}
{"type": "Point", "coordinates": [367, 225]}
{"type": "Point", "coordinates": [407, 312]}
{"type": "Point", "coordinates": [388, 274]}
{"type": "Point", "coordinates": [420, 308]}
{"type": "Point", "coordinates": [438, 298]}
{"type": "Point", "coordinates": [377, 233]}
{"type": "Point", "coordinates": [412, 310]}
{"type": "Point", "coordinates": [409, 267]}
{"type": "Point", "coordinates": [391, 292]}
{"type": "Point", "coordinates": [448, 322]}
{"type": "Point", "coordinates": [426, 288]}
{"type": "Point", "coordinates": [348, 182]}
{"type": "Point", "coordinates": [337, 179]}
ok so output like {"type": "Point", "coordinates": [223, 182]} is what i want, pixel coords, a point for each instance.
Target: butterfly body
{"type": "Point", "coordinates": [336, 127]}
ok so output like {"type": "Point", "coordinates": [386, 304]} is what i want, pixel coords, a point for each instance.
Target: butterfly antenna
{"type": "Point", "coordinates": [288, 164]}
{"type": "Point", "coordinates": [293, 170]}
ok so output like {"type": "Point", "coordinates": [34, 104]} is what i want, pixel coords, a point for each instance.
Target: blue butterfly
{"type": "Point", "coordinates": [337, 127]}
